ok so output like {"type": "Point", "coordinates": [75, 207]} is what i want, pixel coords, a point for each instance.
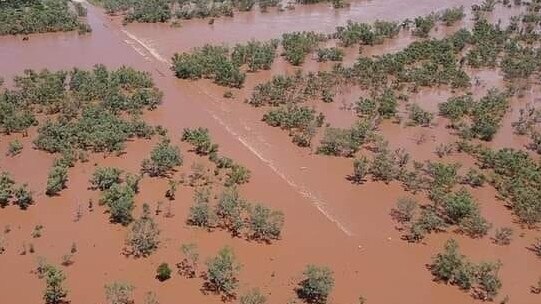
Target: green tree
{"type": "Point", "coordinates": [223, 271]}
{"type": "Point", "coordinates": [360, 169]}
{"type": "Point", "coordinates": [317, 284]}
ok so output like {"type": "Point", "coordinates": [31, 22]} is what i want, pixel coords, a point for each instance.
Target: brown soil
{"type": "Point", "coordinates": [329, 221]}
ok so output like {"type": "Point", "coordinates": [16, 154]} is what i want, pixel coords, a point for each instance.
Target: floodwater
{"type": "Point", "coordinates": [329, 221]}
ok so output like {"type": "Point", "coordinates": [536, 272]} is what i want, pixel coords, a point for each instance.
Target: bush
{"type": "Point", "coordinates": [418, 116]}
{"type": "Point", "coordinates": [200, 139]}
{"type": "Point", "coordinates": [475, 225]}
{"type": "Point", "coordinates": [188, 265]}
{"type": "Point", "coordinates": [143, 237]}
{"type": "Point", "coordinates": [119, 293]}
{"type": "Point", "coordinates": [428, 221]}
{"type": "Point", "coordinates": [317, 284]}
{"type": "Point", "coordinates": [119, 200]}
{"type": "Point", "coordinates": [26, 17]}
{"type": "Point", "coordinates": [253, 296]}
{"type": "Point", "coordinates": [423, 25]}
{"type": "Point", "coordinates": [15, 147]}
{"type": "Point", "coordinates": [330, 54]}
{"type": "Point", "coordinates": [209, 62]}
{"type": "Point", "coordinates": [360, 169]}
{"type": "Point", "coordinates": [456, 107]}
{"type": "Point", "coordinates": [104, 178]}
{"type": "Point", "coordinates": [163, 158]}
{"type": "Point", "coordinates": [201, 215]}
{"type": "Point", "coordinates": [54, 291]}
{"type": "Point", "coordinates": [503, 236]}
{"type": "Point", "coordinates": [451, 15]}
{"type": "Point", "coordinates": [56, 182]}
{"type": "Point", "coordinates": [446, 265]}
{"type": "Point", "coordinates": [229, 209]}
{"type": "Point", "coordinates": [238, 175]}
{"type": "Point", "coordinates": [387, 104]}
{"type": "Point", "coordinates": [298, 44]}
{"type": "Point", "coordinates": [459, 205]}
{"type": "Point", "coordinates": [257, 55]}
{"type": "Point", "coordinates": [223, 271]}
{"type": "Point", "coordinates": [265, 224]}
{"type": "Point", "coordinates": [489, 282]}
{"type": "Point", "coordinates": [6, 188]}
{"type": "Point", "coordinates": [23, 197]}
{"type": "Point", "coordinates": [345, 142]}
{"type": "Point", "coordinates": [474, 178]}
{"type": "Point", "coordinates": [405, 209]}
{"type": "Point", "coordinates": [163, 272]}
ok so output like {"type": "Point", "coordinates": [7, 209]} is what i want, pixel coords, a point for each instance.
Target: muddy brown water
{"type": "Point", "coordinates": [328, 220]}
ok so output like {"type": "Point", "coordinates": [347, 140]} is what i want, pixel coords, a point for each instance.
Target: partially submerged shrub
{"type": "Point", "coordinates": [163, 158]}
{"type": "Point", "coordinates": [223, 271]}
{"type": "Point", "coordinates": [298, 44]}
{"type": "Point", "coordinates": [317, 284]}
{"type": "Point", "coordinates": [143, 236]}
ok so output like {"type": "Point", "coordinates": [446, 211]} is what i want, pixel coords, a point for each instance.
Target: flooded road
{"type": "Point", "coordinates": [328, 220]}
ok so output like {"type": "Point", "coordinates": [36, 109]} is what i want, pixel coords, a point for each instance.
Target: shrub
{"type": "Point", "coordinates": [58, 177]}
{"type": "Point", "coordinates": [387, 104]}
{"type": "Point", "coordinates": [330, 54]}
{"type": "Point", "coordinates": [418, 116]}
{"type": "Point", "coordinates": [317, 284]}
{"type": "Point", "coordinates": [119, 293]}
{"type": "Point", "coordinates": [298, 44]}
{"type": "Point", "coordinates": [253, 296]}
{"type": "Point", "coordinates": [428, 221]}
{"type": "Point", "coordinates": [15, 147]}
{"type": "Point", "coordinates": [200, 214]}
{"type": "Point", "coordinates": [265, 224]}
{"type": "Point", "coordinates": [360, 169]}
{"type": "Point", "coordinates": [200, 139]}
{"type": "Point", "coordinates": [119, 200]}
{"type": "Point", "coordinates": [163, 272]}
{"type": "Point", "coordinates": [104, 178]}
{"type": "Point", "coordinates": [456, 107]}
{"type": "Point", "coordinates": [423, 25]}
{"type": "Point", "coordinates": [257, 55]}
{"type": "Point", "coordinates": [475, 225]}
{"type": "Point", "coordinates": [405, 209]}
{"type": "Point", "coordinates": [54, 291]}
{"type": "Point", "coordinates": [6, 188]}
{"type": "Point", "coordinates": [446, 265]}
{"type": "Point", "coordinates": [229, 209]}
{"type": "Point", "coordinates": [459, 205]}
{"type": "Point", "coordinates": [503, 236]}
{"type": "Point", "coordinates": [23, 197]}
{"type": "Point", "coordinates": [26, 17]}
{"type": "Point", "coordinates": [451, 15]}
{"type": "Point", "coordinates": [223, 271]}
{"type": "Point", "coordinates": [345, 142]}
{"type": "Point", "coordinates": [188, 265]}
{"type": "Point", "coordinates": [474, 178]}
{"type": "Point", "coordinates": [210, 62]}
{"type": "Point", "coordinates": [143, 237]}
{"type": "Point", "coordinates": [489, 282]}
{"type": "Point", "coordinates": [238, 175]}
{"type": "Point", "coordinates": [163, 158]}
